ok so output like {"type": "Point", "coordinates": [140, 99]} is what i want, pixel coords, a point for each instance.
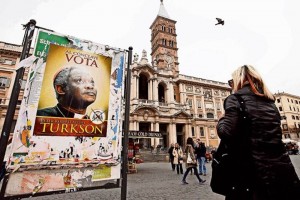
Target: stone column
{"type": "Point", "coordinates": [156, 128]}
{"type": "Point", "coordinates": [131, 125]}
{"type": "Point", "coordinates": [172, 133]}
{"type": "Point", "coordinates": [195, 105]}
{"type": "Point", "coordinates": [215, 106]}
{"type": "Point", "coordinates": [133, 88]}
{"type": "Point", "coordinates": [181, 92]}
{"type": "Point", "coordinates": [222, 108]}
{"type": "Point", "coordinates": [188, 130]}
{"type": "Point", "coordinates": [137, 88]}
{"type": "Point", "coordinates": [152, 139]}
{"type": "Point", "coordinates": [197, 131]}
{"type": "Point", "coordinates": [207, 135]}
{"type": "Point", "coordinates": [171, 92]}
{"type": "Point", "coordinates": [203, 106]}
{"type": "Point", "coordinates": [150, 89]}
{"type": "Point", "coordinates": [155, 89]}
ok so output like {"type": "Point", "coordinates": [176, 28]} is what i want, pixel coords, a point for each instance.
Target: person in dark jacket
{"type": "Point", "coordinates": [200, 151]}
{"type": "Point", "coordinates": [171, 156]}
{"type": "Point", "coordinates": [192, 164]}
{"type": "Point", "coordinates": [269, 173]}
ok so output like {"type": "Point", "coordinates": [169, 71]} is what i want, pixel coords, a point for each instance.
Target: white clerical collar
{"type": "Point", "coordinates": [78, 116]}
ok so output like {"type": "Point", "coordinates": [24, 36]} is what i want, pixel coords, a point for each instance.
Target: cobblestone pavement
{"type": "Point", "coordinates": [155, 181]}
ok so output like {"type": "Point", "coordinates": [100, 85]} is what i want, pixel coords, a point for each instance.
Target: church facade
{"type": "Point", "coordinates": [163, 100]}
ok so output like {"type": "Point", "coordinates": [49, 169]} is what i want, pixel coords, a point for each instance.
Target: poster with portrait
{"type": "Point", "coordinates": [74, 97]}
{"type": "Point", "coordinates": [68, 132]}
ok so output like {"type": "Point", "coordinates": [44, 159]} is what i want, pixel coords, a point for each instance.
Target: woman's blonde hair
{"type": "Point", "coordinates": [248, 75]}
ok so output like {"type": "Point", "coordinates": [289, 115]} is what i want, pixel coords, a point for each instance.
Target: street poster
{"type": "Point", "coordinates": [68, 132]}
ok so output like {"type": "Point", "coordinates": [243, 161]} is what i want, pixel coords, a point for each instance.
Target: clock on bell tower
{"type": "Point", "coordinates": [163, 42]}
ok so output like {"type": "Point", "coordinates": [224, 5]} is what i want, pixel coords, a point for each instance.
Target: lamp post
{"type": "Point", "coordinates": [126, 128]}
{"type": "Point", "coordinates": [28, 36]}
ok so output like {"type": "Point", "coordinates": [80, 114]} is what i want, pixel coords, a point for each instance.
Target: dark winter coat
{"type": "Point", "coordinates": [170, 151]}
{"type": "Point", "coordinates": [269, 169]}
{"type": "Point", "coordinates": [200, 150]}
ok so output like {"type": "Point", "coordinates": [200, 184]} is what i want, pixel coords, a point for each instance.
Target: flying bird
{"type": "Point", "coordinates": [220, 21]}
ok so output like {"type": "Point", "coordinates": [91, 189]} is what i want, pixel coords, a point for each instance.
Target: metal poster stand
{"type": "Point", "coordinates": [27, 40]}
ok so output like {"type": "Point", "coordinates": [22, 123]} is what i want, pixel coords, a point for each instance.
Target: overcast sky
{"type": "Point", "coordinates": [263, 33]}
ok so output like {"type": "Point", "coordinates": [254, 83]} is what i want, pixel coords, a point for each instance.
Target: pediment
{"type": "Point", "coordinates": [145, 68]}
{"type": "Point", "coordinates": [142, 110]}
{"type": "Point", "coordinates": [182, 114]}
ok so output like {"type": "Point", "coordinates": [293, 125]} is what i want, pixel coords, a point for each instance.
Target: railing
{"type": "Point", "coordinates": [161, 71]}
{"type": "Point", "coordinates": [162, 104]}
{"type": "Point", "coordinates": [202, 80]}
{"type": "Point", "coordinates": [146, 101]}
{"type": "Point", "coordinates": [179, 105]}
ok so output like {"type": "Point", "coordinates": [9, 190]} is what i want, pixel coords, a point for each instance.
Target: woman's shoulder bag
{"type": "Point", "coordinates": [222, 181]}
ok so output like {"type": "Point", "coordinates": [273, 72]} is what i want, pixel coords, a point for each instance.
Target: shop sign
{"type": "Point", "coordinates": [144, 134]}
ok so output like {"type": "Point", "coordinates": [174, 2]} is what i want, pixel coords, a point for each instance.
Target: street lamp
{"type": "Point", "coordinates": [28, 36]}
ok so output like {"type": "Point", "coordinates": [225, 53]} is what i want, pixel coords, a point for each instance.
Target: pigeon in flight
{"type": "Point", "coordinates": [220, 21]}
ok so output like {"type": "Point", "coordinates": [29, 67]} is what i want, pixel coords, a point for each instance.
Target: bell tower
{"type": "Point", "coordinates": [163, 42]}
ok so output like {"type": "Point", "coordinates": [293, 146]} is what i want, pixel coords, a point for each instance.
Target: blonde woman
{"type": "Point", "coordinates": [178, 158]}
{"type": "Point", "coordinates": [262, 168]}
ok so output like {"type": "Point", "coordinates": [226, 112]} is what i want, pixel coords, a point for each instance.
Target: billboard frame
{"type": "Point", "coordinates": [29, 32]}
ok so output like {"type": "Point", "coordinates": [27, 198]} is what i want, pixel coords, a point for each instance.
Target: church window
{"type": "Point", "coordinates": [190, 102]}
{"type": "Point", "coordinates": [202, 132]}
{"type": "Point", "coordinates": [209, 105]}
{"type": "Point", "coordinates": [218, 104]}
{"type": "Point", "coordinates": [189, 88]}
{"type": "Point", "coordinates": [210, 115]}
{"type": "Point", "coordinates": [199, 104]}
{"type": "Point", "coordinates": [4, 82]}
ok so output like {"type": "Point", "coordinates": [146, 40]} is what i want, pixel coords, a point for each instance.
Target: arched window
{"type": "Point", "coordinates": [161, 93]}
{"type": "Point", "coordinates": [210, 115]}
{"type": "Point", "coordinates": [143, 87]}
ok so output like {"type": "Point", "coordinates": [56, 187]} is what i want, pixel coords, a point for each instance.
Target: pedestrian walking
{"type": "Point", "coordinates": [200, 151]}
{"type": "Point", "coordinates": [171, 156]}
{"type": "Point", "coordinates": [191, 162]}
{"type": "Point", "coordinates": [178, 158]}
{"type": "Point", "coordinates": [202, 167]}
{"type": "Point", "coordinates": [262, 168]}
